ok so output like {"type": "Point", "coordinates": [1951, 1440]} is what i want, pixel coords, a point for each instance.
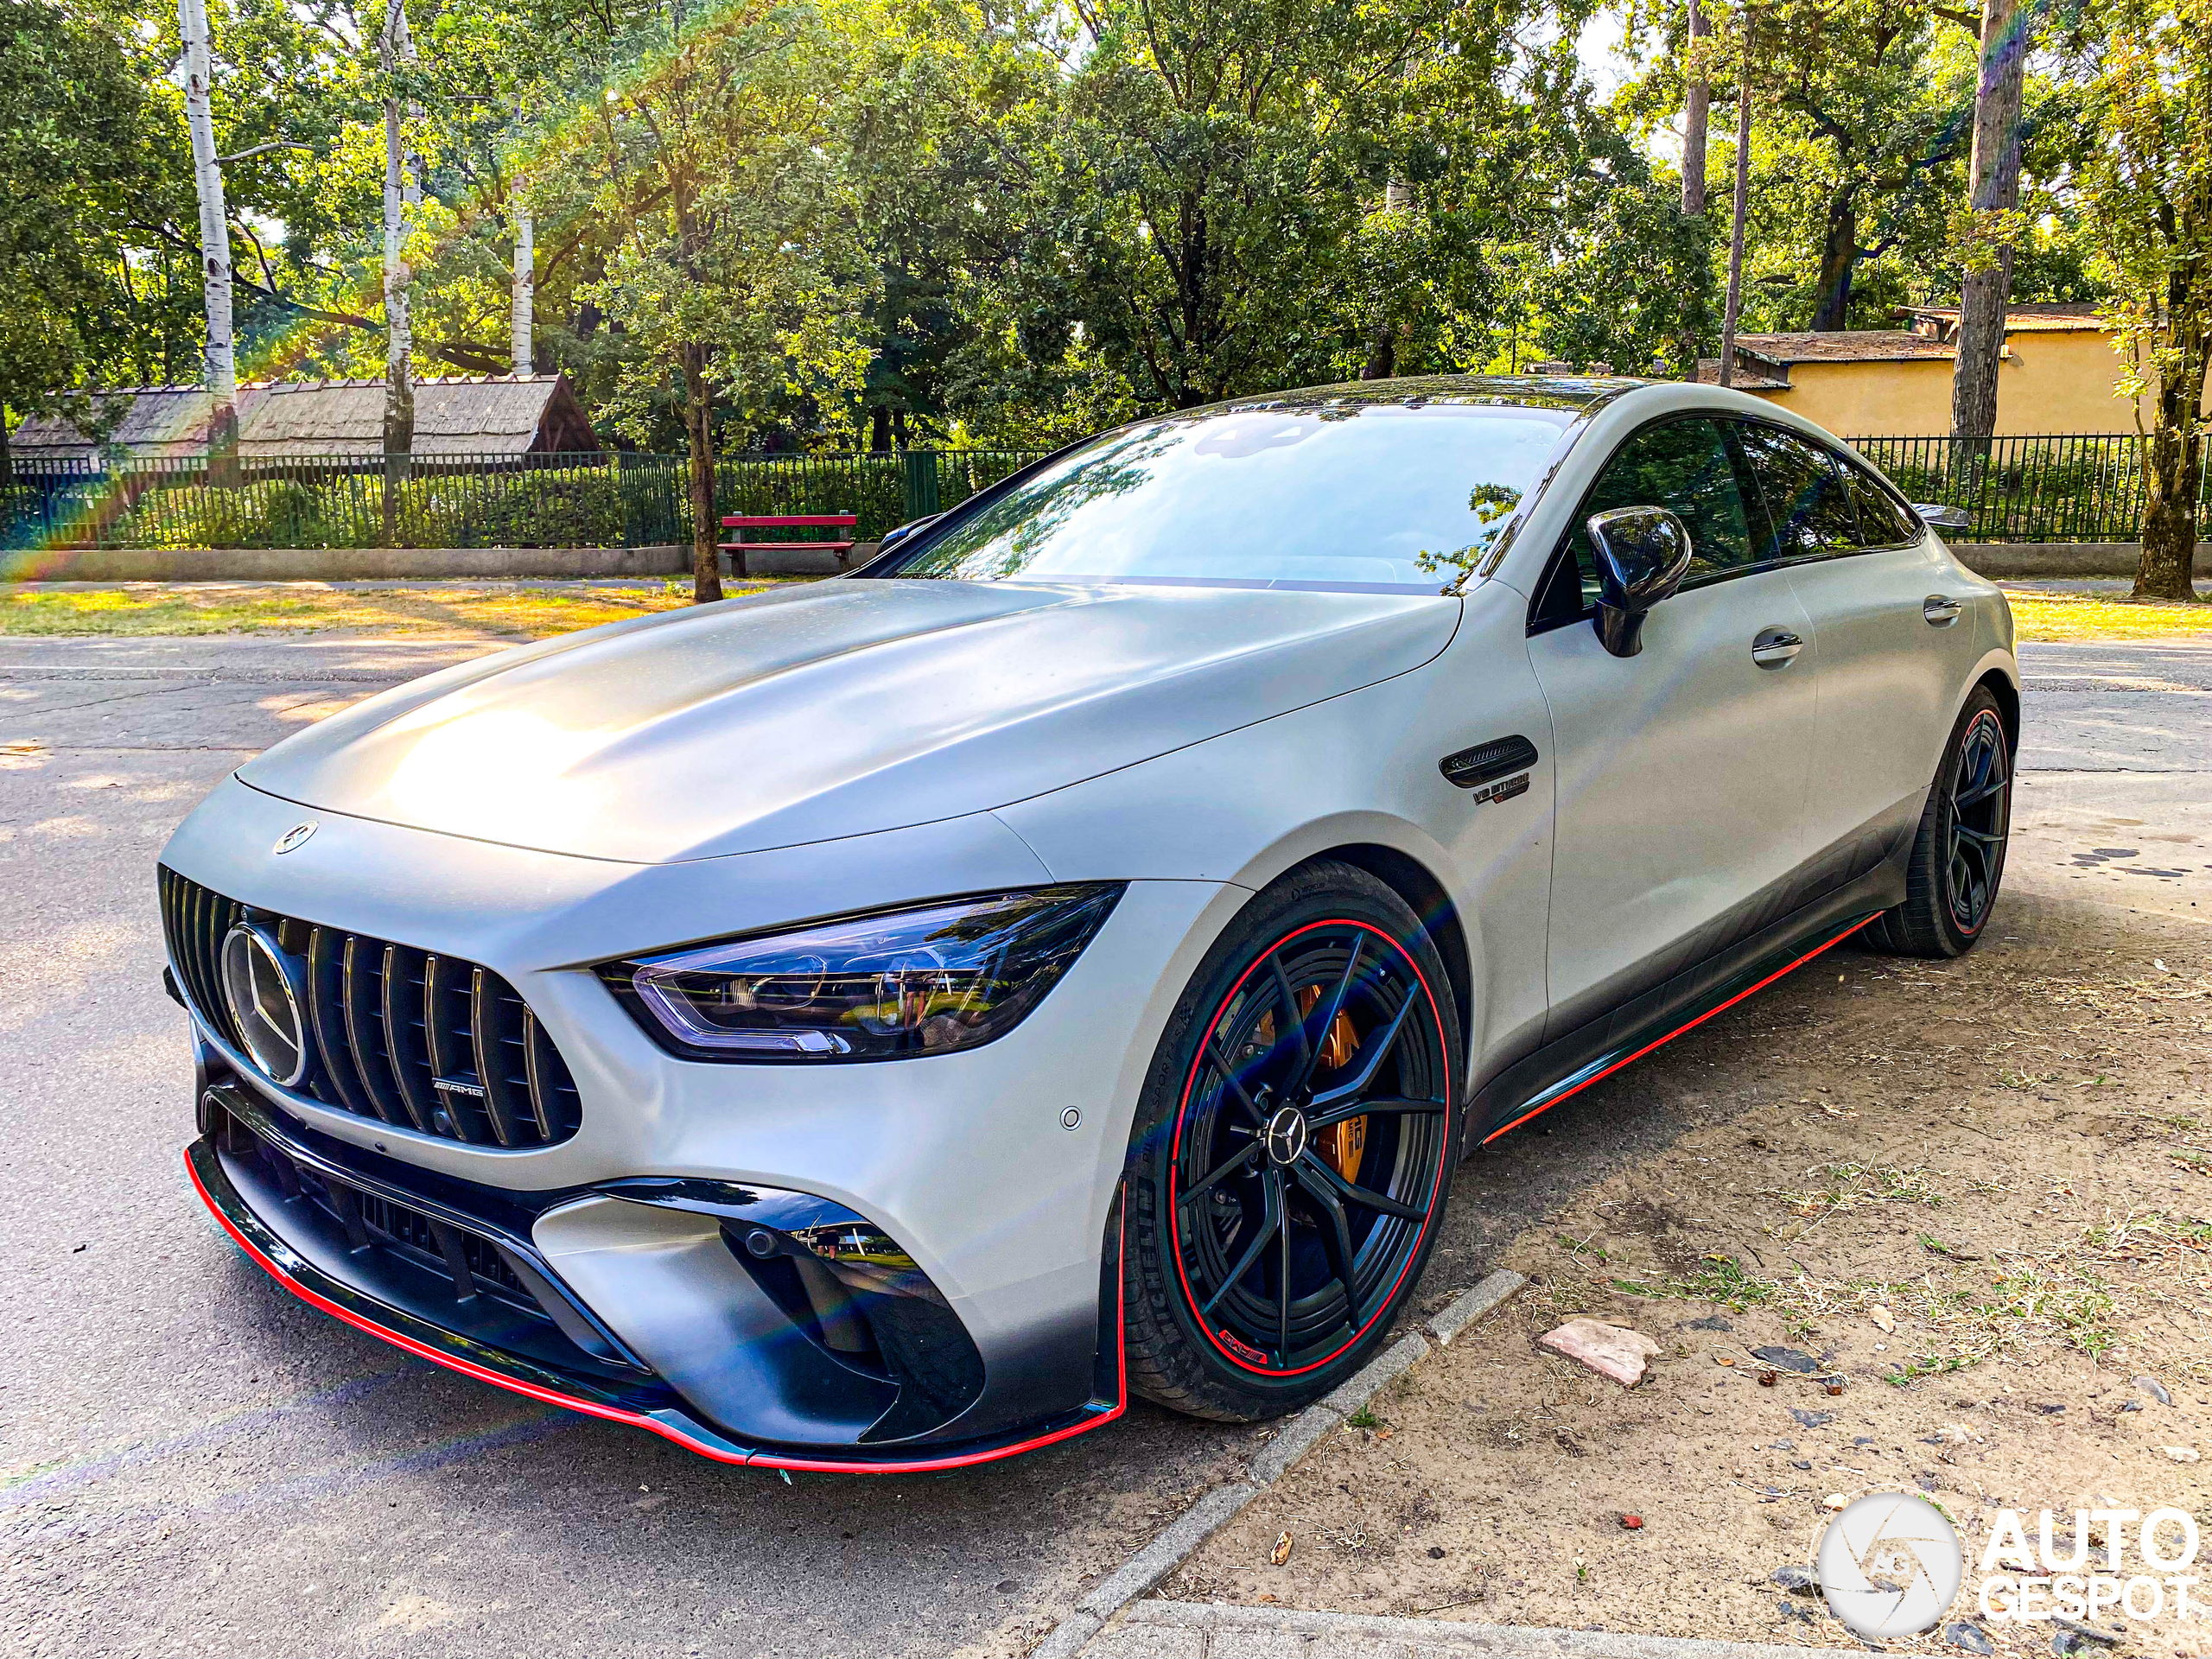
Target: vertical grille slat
{"type": "Point", "coordinates": [403, 1038]}
{"type": "Point", "coordinates": [388, 1022]}
{"type": "Point", "coordinates": [364, 1003]}
{"type": "Point", "coordinates": [484, 1024]}
{"type": "Point", "coordinates": [326, 1012]}
{"type": "Point", "coordinates": [541, 1083]}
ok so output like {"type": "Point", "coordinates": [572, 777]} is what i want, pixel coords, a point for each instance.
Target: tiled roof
{"type": "Point", "coordinates": [1842, 346]}
{"type": "Point", "coordinates": [1749, 377]}
{"type": "Point", "coordinates": [2036, 316]}
{"type": "Point", "coordinates": [505, 415]}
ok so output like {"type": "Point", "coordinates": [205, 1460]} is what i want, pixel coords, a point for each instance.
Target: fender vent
{"type": "Point", "coordinates": [418, 1040]}
{"type": "Point", "coordinates": [1471, 768]}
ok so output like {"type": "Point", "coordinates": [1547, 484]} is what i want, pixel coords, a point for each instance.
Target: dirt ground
{"type": "Point", "coordinates": [1980, 1193]}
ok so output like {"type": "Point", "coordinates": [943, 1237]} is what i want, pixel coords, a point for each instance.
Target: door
{"type": "Point", "coordinates": [1680, 771]}
{"type": "Point", "coordinates": [1892, 653]}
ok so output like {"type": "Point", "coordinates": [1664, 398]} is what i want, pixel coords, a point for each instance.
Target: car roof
{"type": "Point", "coordinates": [1572, 394]}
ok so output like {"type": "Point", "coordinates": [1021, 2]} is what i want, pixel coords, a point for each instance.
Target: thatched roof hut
{"type": "Point", "coordinates": [489, 416]}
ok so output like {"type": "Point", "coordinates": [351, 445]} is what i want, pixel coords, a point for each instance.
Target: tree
{"type": "Point", "coordinates": [221, 366]}
{"type": "Point", "coordinates": [79, 157]}
{"type": "Point", "coordinates": [2146, 197]}
{"type": "Point", "coordinates": [1994, 202]}
{"type": "Point", "coordinates": [712, 151]}
{"type": "Point", "coordinates": [402, 200]}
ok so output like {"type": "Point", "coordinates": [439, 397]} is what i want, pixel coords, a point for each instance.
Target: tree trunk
{"type": "Point", "coordinates": [1839, 255]}
{"type": "Point", "coordinates": [1697, 102]}
{"type": "Point", "coordinates": [2173, 451]}
{"type": "Point", "coordinates": [402, 193]}
{"type": "Point", "coordinates": [221, 365]}
{"type": "Point", "coordinates": [525, 285]}
{"type": "Point", "coordinates": [698, 437]}
{"type": "Point", "coordinates": [878, 433]}
{"type": "Point", "coordinates": [1735, 307]}
{"type": "Point", "coordinates": [1383, 342]}
{"type": "Point", "coordinates": [1994, 188]}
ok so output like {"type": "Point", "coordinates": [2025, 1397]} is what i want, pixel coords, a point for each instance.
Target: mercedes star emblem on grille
{"type": "Point", "coordinates": [294, 836]}
{"type": "Point", "coordinates": [259, 984]}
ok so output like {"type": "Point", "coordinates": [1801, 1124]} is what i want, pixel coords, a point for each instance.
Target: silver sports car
{"type": "Point", "coordinates": [885, 1023]}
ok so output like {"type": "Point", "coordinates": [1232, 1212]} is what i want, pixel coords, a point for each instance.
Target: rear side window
{"type": "Point", "coordinates": [1684, 467]}
{"type": "Point", "coordinates": [1809, 515]}
{"type": "Point", "coordinates": [1883, 519]}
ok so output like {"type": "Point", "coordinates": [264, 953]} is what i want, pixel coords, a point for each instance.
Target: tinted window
{"type": "Point", "coordinates": [1883, 519]}
{"type": "Point", "coordinates": [1684, 467]}
{"type": "Point", "coordinates": [1808, 514]}
{"type": "Point", "coordinates": [1384, 495]}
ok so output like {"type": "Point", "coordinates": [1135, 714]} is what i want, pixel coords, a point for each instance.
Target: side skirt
{"type": "Point", "coordinates": [1565, 1067]}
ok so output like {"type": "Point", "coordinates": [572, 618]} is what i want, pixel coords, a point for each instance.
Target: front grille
{"type": "Point", "coordinates": [418, 1040]}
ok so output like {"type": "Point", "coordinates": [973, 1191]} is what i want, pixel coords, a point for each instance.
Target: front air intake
{"type": "Point", "coordinates": [418, 1040]}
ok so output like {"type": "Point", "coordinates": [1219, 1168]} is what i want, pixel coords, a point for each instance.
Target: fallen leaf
{"type": "Point", "coordinates": [1282, 1550]}
{"type": "Point", "coordinates": [1768, 1379]}
{"type": "Point", "coordinates": [1723, 1359]}
{"type": "Point", "coordinates": [1882, 1317]}
{"type": "Point", "coordinates": [1384, 1433]}
{"type": "Point", "coordinates": [1836, 1388]}
{"type": "Point", "coordinates": [1835, 1501]}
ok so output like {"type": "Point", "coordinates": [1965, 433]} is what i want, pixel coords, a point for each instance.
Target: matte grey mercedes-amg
{"type": "Point", "coordinates": [888, 1022]}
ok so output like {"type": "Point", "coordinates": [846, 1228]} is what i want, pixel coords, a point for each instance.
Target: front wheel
{"type": "Point", "coordinates": [1958, 856]}
{"type": "Point", "coordinates": [1293, 1152]}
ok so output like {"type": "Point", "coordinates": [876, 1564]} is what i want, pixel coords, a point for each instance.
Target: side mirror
{"type": "Point", "coordinates": [1643, 553]}
{"type": "Point", "coordinates": [1939, 516]}
{"type": "Point", "coordinates": [906, 530]}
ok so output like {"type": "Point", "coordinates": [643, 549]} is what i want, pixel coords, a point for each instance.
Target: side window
{"type": "Point", "coordinates": [1809, 516]}
{"type": "Point", "coordinates": [1684, 467]}
{"type": "Point", "coordinates": [1883, 520]}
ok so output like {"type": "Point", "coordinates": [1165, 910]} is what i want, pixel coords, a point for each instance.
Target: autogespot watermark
{"type": "Point", "coordinates": [1890, 1564]}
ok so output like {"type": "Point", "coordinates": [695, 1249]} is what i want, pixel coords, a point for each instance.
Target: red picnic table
{"type": "Point", "coordinates": [742, 522]}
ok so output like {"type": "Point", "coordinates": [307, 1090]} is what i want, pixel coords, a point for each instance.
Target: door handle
{"type": "Point", "coordinates": [1940, 612]}
{"type": "Point", "coordinates": [1776, 648]}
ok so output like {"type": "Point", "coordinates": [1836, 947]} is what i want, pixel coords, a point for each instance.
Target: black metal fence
{"type": "Point", "coordinates": [609, 500]}
{"type": "Point", "coordinates": [2068, 488]}
{"type": "Point", "coordinates": [2085, 487]}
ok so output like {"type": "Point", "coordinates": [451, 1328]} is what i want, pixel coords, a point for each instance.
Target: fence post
{"type": "Point", "coordinates": [920, 482]}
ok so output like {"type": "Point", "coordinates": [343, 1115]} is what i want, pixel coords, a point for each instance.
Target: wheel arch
{"type": "Point", "coordinates": [2001, 686]}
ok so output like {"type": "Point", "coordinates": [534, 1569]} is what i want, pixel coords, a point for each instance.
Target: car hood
{"type": "Point", "coordinates": [839, 708]}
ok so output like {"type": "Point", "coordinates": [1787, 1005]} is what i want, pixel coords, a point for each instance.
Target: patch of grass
{"type": "Point", "coordinates": [460, 609]}
{"type": "Point", "coordinates": [1717, 1279]}
{"type": "Point", "coordinates": [1364, 1418]}
{"type": "Point", "coordinates": [2046, 616]}
{"type": "Point", "coordinates": [1846, 1186]}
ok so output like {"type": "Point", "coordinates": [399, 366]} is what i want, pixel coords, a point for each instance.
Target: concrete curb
{"type": "Point", "coordinates": [1348, 1634]}
{"type": "Point", "coordinates": [1217, 1508]}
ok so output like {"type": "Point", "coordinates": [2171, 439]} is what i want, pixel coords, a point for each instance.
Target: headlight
{"type": "Point", "coordinates": [929, 980]}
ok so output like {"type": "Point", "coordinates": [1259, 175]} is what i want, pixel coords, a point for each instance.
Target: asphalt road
{"type": "Point", "coordinates": [192, 1462]}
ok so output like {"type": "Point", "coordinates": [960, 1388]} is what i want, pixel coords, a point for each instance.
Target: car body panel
{"type": "Point", "coordinates": [847, 708]}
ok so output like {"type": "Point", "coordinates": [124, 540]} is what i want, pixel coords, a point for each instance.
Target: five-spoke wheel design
{"type": "Point", "coordinates": [1309, 1148]}
{"type": "Point", "coordinates": [1980, 803]}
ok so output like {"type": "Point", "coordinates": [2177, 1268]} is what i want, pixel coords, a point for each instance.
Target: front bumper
{"type": "Point", "coordinates": [457, 1276]}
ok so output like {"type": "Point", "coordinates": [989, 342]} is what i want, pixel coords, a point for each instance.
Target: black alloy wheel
{"type": "Point", "coordinates": [1957, 862]}
{"type": "Point", "coordinates": [1301, 1163]}
{"type": "Point", "coordinates": [1981, 799]}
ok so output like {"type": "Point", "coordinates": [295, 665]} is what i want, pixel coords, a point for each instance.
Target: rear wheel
{"type": "Point", "coordinates": [1293, 1152]}
{"type": "Point", "coordinates": [1958, 857]}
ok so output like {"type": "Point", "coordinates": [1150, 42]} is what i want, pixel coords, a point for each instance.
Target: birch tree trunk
{"type": "Point", "coordinates": [1735, 308]}
{"type": "Point", "coordinates": [1697, 104]}
{"type": "Point", "coordinates": [403, 194]}
{"type": "Point", "coordinates": [1995, 189]}
{"type": "Point", "coordinates": [525, 282]}
{"type": "Point", "coordinates": [220, 372]}
{"type": "Point", "coordinates": [698, 419]}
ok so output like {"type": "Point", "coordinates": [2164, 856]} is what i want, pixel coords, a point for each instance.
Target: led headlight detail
{"type": "Point", "coordinates": [929, 980]}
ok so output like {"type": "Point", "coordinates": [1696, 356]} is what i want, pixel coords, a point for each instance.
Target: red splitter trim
{"type": "Point", "coordinates": [639, 1419]}
{"type": "Point", "coordinates": [1658, 1042]}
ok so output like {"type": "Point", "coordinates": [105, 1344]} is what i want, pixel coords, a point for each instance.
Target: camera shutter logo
{"type": "Point", "coordinates": [1890, 1565]}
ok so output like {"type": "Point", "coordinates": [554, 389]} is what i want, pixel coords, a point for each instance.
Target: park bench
{"type": "Point", "coordinates": [739, 546]}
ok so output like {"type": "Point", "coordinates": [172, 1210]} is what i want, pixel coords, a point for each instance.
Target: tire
{"type": "Point", "coordinates": [1958, 856]}
{"type": "Point", "coordinates": [1216, 1162]}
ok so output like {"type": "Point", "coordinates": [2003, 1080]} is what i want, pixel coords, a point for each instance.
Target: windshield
{"type": "Point", "coordinates": [1381, 497]}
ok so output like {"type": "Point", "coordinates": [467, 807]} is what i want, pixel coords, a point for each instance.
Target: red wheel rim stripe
{"type": "Point", "coordinates": [1175, 1147]}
